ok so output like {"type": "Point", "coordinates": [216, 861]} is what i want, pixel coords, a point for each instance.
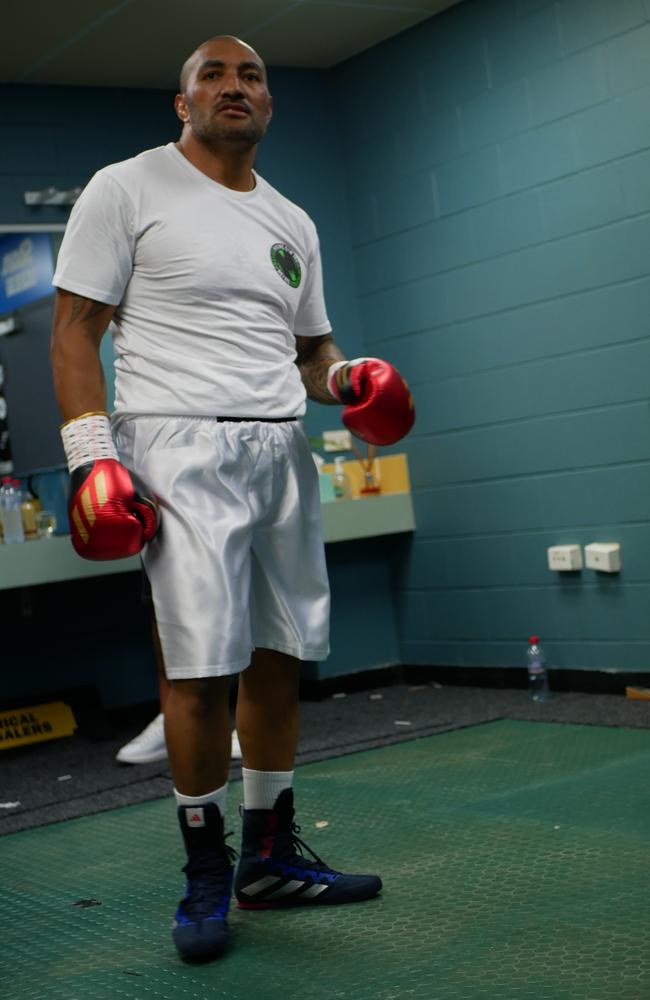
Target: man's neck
{"type": "Point", "coordinates": [230, 165]}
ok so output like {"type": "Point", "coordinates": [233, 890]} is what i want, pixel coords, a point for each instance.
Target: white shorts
{"type": "Point", "coordinates": [239, 560]}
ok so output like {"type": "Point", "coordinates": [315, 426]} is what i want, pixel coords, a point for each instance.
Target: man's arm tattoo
{"type": "Point", "coordinates": [314, 377]}
{"type": "Point", "coordinates": [314, 360]}
{"type": "Point", "coordinates": [83, 309]}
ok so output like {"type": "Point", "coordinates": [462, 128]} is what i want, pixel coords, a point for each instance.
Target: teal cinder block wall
{"type": "Point", "coordinates": [498, 175]}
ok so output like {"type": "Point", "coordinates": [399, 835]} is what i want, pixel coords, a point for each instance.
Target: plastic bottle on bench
{"type": "Point", "coordinates": [537, 672]}
{"type": "Point", "coordinates": [10, 512]}
{"type": "Point", "coordinates": [342, 485]}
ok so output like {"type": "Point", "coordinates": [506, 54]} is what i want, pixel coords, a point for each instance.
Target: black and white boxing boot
{"type": "Point", "coordinates": [273, 871]}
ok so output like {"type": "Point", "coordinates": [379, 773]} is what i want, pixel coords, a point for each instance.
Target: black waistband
{"type": "Point", "coordinates": [262, 420]}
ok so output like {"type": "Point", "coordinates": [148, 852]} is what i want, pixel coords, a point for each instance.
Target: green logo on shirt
{"type": "Point", "coordinates": [286, 264]}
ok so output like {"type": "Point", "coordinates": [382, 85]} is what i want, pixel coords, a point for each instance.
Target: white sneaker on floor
{"type": "Point", "coordinates": [147, 747]}
{"type": "Point", "coordinates": [150, 746]}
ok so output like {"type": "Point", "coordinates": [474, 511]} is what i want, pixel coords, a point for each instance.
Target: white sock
{"type": "Point", "coordinates": [218, 797]}
{"type": "Point", "coordinates": [261, 788]}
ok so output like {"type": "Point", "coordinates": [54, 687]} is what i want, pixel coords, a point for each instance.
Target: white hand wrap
{"type": "Point", "coordinates": [87, 438]}
{"type": "Point", "coordinates": [333, 369]}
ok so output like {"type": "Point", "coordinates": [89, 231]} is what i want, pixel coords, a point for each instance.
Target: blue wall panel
{"type": "Point", "coordinates": [441, 88]}
{"type": "Point", "coordinates": [607, 436]}
{"type": "Point", "coordinates": [568, 86]}
{"type": "Point", "coordinates": [587, 498]}
{"type": "Point", "coordinates": [495, 114]}
{"type": "Point", "coordinates": [520, 316]}
{"type": "Point", "coordinates": [609, 131]}
{"type": "Point", "coordinates": [524, 45]}
{"type": "Point", "coordinates": [634, 180]}
{"type": "Point", "coordinates": [595, 318]}
{"type": "Point", "coordinates": [605, 376]}
{"type": "Point", "coordinates": [583, 201]}
{"type": "Point", "coordinates": [538, 156]}
{"type": "Point", "coordinates": [470, 180]}
{"type": "Point", "coordinates": [586, 24]}
{"type": "Point", "coordinates": [627, 61]}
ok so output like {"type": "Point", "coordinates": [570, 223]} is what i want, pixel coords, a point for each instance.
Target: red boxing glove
{"type": "Point", "coordinates": [111, 515]}
{"type": "Point", "coordinates": [379, 406]}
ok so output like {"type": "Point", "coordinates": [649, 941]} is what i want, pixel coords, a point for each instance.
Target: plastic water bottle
{"type": "Point", "coordinates": [342, 485]}
{"type": "Point", "coordinates": [10, 512]}
{"type": "Point", "coordinates": [537, 672]}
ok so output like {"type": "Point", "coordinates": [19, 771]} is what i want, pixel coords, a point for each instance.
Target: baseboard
{"type": "Point", "coordinates": [586, 681]}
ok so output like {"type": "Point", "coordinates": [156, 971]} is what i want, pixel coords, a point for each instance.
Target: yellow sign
{"type": "Point", "coordinates": [19, 726]}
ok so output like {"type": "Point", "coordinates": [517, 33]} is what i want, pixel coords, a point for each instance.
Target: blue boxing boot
{"type": "Point", "coordinates": [273, 871]}
{"type": "Point", "coordinates": [200, 930]}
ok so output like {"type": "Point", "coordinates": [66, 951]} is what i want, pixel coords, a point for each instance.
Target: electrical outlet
{"type": "Point", "coordinates": [565, 558]}
{"type": "Point", "coordinates": [337, 440]}
{"type": "Point", "coordinates": [603, 556]}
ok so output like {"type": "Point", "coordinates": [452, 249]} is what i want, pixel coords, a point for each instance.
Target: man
{"type": "Point", "coordinates": [211, 281]}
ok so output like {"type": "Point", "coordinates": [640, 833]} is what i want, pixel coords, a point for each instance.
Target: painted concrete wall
{"type": "Point", "coordinates": [499, 181]}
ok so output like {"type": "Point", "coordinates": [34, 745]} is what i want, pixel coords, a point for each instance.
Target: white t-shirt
{"type": "Point", "coordinates": [211, 287]}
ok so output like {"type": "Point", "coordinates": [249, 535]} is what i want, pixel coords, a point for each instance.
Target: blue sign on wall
{"type": "Point", "coordinates": [25, 269]}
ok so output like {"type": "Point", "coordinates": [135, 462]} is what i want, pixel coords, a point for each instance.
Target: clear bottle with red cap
{"type": "Point", "coordinates": [10, 513]}
{"type": "Point", "coordinates": [537, 672]}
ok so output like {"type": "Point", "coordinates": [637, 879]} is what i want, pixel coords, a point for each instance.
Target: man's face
{"type": "Point", "coordinates": [225, 97]}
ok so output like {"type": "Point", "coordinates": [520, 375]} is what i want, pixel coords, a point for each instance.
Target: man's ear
{"type": "Point", "coordinates": [180, 107]}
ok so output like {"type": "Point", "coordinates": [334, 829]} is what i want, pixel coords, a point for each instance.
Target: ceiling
{"type": "Point", "coordinates": [142, 43]}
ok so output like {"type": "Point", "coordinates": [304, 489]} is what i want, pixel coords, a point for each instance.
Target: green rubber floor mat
{"type": "Point", "coordinates": [514, 857]}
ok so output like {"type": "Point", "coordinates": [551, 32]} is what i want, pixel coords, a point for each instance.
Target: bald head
{"type": "Point", "coordinates": [224, 95]}
{"type": "Point", "coordinates": [202, 51]}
